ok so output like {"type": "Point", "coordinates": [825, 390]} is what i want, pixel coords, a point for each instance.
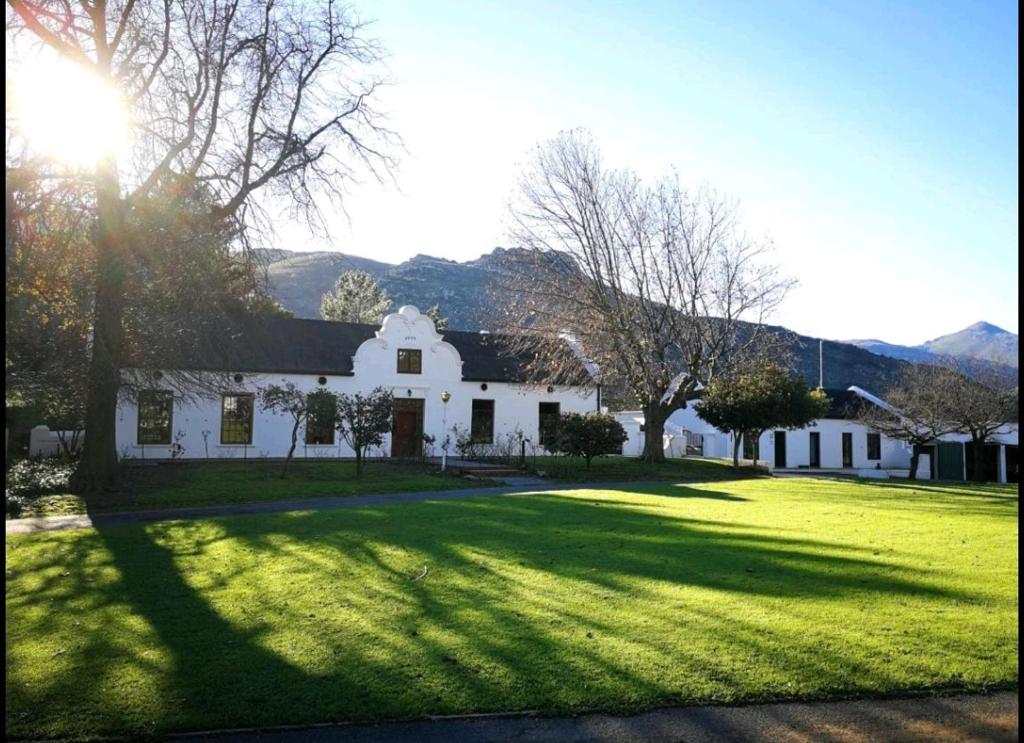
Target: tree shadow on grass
{"type": "Point", "coordinates": [539, 601]}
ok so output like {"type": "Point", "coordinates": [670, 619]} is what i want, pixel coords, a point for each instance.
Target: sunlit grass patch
{"type": "Point", "coordinates": [610, 598]}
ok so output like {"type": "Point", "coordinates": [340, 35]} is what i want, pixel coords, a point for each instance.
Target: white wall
{"type": "Point", "coordinates": [632, 421]}
{"type": "Point", "coordinates": [374, 364]}
{"type": "Point", "coordinates": [895, 454]}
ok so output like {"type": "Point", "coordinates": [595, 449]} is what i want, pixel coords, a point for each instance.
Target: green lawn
{"type": "Point", "coordinates": [217, 483]}
{"type": "Point", "coordinates": [610, 598]}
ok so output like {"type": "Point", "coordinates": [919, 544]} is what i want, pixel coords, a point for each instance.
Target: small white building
{"type": "Point", "coordinates": [490, 395]}
{"type": "Point", "coordinates": [836, 443]}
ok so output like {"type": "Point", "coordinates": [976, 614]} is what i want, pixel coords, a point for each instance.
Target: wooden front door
{"type": "Point", "coordinates": [407, 428]}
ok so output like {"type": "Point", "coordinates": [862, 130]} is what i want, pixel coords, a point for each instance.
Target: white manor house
{"type": "Point", "coordinates": [487, 389]}
{"type": "Point", "coordinates": [489, 396]}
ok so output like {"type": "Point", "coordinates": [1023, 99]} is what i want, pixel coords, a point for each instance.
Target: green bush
{"type": "Point", "coordinates": [589, 436]}
{"type": "Point", "coordinates": [30, 478]}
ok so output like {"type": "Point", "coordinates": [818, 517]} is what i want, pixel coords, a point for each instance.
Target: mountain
{"type": "Point", "coordinates": [982, 340]}
{"type": "Point", "coordinates": [462, 289]}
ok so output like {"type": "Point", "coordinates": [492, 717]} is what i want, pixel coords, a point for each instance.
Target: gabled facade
{"type": "Point", "coordinates": [489, 392]}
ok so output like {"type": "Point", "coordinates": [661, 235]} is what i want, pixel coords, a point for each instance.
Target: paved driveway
{"type": "Point", "coordinates": [948, 719]}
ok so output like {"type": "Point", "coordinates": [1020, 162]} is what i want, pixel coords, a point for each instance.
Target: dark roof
{"type": "Point", "coordinates": [843, 404]}
{"type": "Point", "coordinates": [283, 345]}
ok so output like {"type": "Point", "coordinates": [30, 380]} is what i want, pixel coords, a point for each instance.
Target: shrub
{"type": "Point", "coordinates": [589, 436]}
{"type": "Point", "coordinates": [31, 478]}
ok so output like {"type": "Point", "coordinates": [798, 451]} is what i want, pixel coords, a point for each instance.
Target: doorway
{"type": "Point", "coordinates": [780, 449]}
{"type": "Point", "coordinates": [407, 428]}
{"type": "Point", "coordinates": [951, 461]}
{"type": "Point", "coordinates": [815, 449]}
{"type": "Point", "coordinates": [847, 450]}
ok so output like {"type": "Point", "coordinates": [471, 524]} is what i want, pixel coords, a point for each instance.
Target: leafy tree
{"type": "Point", "coordinates": [268, 307]}
{"type": "Point", "coordinates": [589, 436]}
{"type": "Point", "coordinates": [356, 297]}
{"type": "Point", "coordinates": [288, 399]}
{"type": "Point", "coordinates": [659, 288]}
{"type": "Point", "coordinates": [363, 420]}
{"type": "Point", "coordinates": [758, 399]}
{"type": "Point", "coordinates": [914, 410]}
{"type": "Point", "coordinates": [232, 99]}
{"type": "Point", "coordinates": [440, 321]}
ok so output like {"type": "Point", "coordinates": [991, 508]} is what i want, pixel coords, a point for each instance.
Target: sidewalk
{"type": "Point", "coordinates": [85, 521]}
{"type": "Point", "coordinates": [949, 719]}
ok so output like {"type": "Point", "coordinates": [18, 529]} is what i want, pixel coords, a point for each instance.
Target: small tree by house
{"type": "Point", "coordinates": [364, 420]}
{"type": "Point", "coordinates": [356, 297]}
{"type": "Point", "coordinates": [589, 436]}
{"type": "Point", "coordinates": [916, 412]}
{"type": "Point", "coordinates": [287, 399]}
{"type": "Point", "coordinates": [759, 399]}
{"type": "Point", "coordinates": [440, 321]}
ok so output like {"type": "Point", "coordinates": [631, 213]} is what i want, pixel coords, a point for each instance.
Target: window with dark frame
{"type": "Point", "coordinates": [874, 446]}
{"type": "Point", "coordinates": [549, 414]}
{"type": "Point", "coordinates": [320, 427]}
{"type": "Point", "coordinates": [482, 422]}
{"type": "Point", "coordinates": [410, 361]}
{"type": "Point", "coordinates": [236, 419]}
{"type": "Point", "coordinates": [156, 413]}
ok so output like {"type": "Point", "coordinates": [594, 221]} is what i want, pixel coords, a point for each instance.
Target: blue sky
{"type": "Point", "coordinates": [875, 143]}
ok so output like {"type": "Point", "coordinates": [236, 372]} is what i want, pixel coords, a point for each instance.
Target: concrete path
{"type": "Point", "coordinates": [949, 719]}
{"type": "Point", "coordinates": [102, 520]}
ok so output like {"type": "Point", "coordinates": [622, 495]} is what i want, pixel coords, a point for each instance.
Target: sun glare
{"type": "Point", "coordinates": [68, 113]}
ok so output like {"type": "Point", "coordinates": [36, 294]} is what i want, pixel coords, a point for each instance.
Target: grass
{"type": "Point", "coordinates": [625, 469]}
{"type": "Point", "coordinates": [217, 483]}
{"type": "Point", "coordinates": [616, 599]}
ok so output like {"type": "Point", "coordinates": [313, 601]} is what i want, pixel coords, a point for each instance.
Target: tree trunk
{"type": "Point", "coordinates": [736, 442]}
{"type": "Point", "coordinates": [915, 456]}
{"type": "Point", "coordinates": [359, 462]}
{"type": "Point", "coordinates": [978, 447]}
{"type": "Point", "coordinates": [654, 434]}
{"type": "Point", "coordinates": [98, 467]}
{"type": "Point", "coordinates": [291, 450]}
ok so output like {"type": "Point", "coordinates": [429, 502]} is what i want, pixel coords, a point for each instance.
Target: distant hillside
{"type": "Point", "coordinates": [298, 280]}
{"type": "Point", "coordinates": [979, 341]}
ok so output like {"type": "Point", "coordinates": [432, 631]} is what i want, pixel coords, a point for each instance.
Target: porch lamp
{"type": "Point", "coordinates": [445, 397]}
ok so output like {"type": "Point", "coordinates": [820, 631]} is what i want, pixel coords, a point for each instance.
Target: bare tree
{"type": "Point", "coordinates": [980, 400]}
{"type": "Point", "coordinates": [656, 286]}
{"type": "Point", "coordinates": [914, 410]}
{"type": "Point", "coordinates": [229, 98]}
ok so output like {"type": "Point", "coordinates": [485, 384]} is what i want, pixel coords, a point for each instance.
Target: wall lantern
{"type": "Point", "coordinates": [408, 393]}
{"type": "Point", "coordinates": [322, 380]}
{"type": "Point", "coordinates": [550, 389]}
{"type": "Point", "coordinates": [239, 378]}
{"type": "Point", "coordinates": [445, 397]}
{"type": "Point", "coordinates": [484, 386]}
